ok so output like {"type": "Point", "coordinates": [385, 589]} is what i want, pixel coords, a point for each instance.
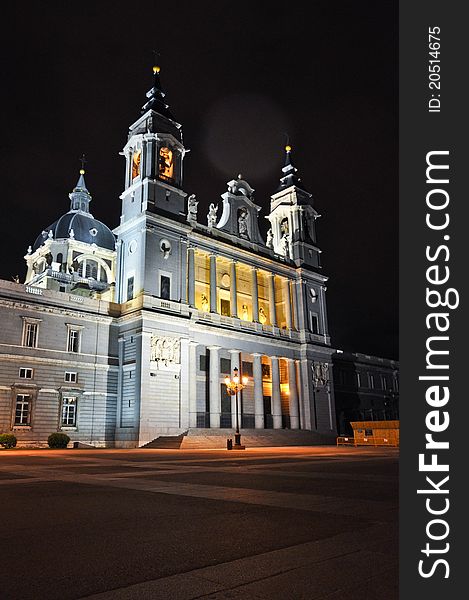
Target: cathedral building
{"type": "Point", "coordinates": [120, 337]}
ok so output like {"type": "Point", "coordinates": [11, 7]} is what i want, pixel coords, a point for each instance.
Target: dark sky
{"type": "Point", "coordinates": [237, 76]}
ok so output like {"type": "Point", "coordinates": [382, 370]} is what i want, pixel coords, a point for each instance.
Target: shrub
{"type": "Point", "coordinates": [58, 440]}
{"type": "Point", "coordinates": [7, 440]}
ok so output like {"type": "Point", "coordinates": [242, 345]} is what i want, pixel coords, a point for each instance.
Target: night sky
{"type": "Point", "coordinates": [238, 76]}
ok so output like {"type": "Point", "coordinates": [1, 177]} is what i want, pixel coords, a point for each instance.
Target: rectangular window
{"type": "Point", "coordinates": [22, 409]}
{"type": "Point", "coordinates": [359, 380]}
{"type": "Point", "coordinates": [372, 381]}
{"type": "Point", "coordinates": [247, 369]}
{"type": "Point", "coordinates": [225, 366]}
{"type": "Point", "coordinates": [73, 343]}
{"type": "Point", "coordinates": [265, 371]}
{"type": "Point", "coordinates": [165, 287]}
{"type": "Point", "coordinates": [70, 377]}
{"type": "Point", "coordinates": [225, 307]}
{"type": "Point", "coordinates": [369, 432]}
{"type": "Point", "coordinates": [130, 288]}
{"type": "Point", "coordinates": [69, 411]}
{"type": "Point", "coordinates": [314, 323]}
{"type": "Point", "coordinates": [26, 373]}
{"type": "Point", "coordinates": [203, 362]}
{"type": "Point", "coordinates": [30, 334]}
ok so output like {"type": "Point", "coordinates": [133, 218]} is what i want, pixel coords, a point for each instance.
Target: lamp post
{"type": "Point", "coordinates": [233, 387]}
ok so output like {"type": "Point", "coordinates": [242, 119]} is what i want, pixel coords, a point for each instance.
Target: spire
{"type": "Point", "coordinates": [156, 96]}
{"type": "Point", "coordinates": [80, 198]}
{"type": "Point", "coordinates": [289, 172]}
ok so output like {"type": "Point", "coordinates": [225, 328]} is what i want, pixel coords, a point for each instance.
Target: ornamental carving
{"type": "Point", "coordinates": [165, 350]}
{"type": "Point", "coordinates": [320, 373]}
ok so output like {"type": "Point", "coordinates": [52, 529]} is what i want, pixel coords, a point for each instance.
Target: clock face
{"type": "Point", "coordinates": [136, 157]}
{"type": "Point", "coordinates": [166, 164]}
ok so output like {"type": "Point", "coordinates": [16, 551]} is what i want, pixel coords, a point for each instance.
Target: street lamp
{"type": "Point", "coordinates": [233, 387]}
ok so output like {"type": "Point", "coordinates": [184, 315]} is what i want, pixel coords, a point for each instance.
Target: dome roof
{"type": "Point", "coordinates": [79, 223]}
{"type": "Point", "coordinates": [79, 226]}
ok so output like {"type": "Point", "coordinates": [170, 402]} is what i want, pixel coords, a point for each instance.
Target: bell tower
{"type": "Point", "coordinates": [153, 202]}
{"type": "Point", "coordinates": [292, 218]}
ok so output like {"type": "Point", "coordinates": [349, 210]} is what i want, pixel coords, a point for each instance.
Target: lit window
{"type": "Point", "coordinates": [69, 411]}
{"type": "Point", "coordinates": [30, 334]}
{"type": "Point", "coordinates": [22, 409]}
{"type": "Point", "coordinates": [26, 373]}
{"type": "Point", "coordinates": [70, 377]}
{"type": "Point", "coordinates": [73, 343]}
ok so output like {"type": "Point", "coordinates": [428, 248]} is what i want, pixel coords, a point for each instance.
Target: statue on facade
{"type": "Point", "coordinates": [204, 302]}
{"type": "Point", "coordinates": [285, 245]}
{"type": "Point", "coordinates": [320, 373]}
{"type": "Point", "coordinates": [244, 312]}
{"type": "Point", "coordinates": [164, 350]}
{"type": "Point", "coordinates": [243, 224]}
{"type": "Point", "coordinates": [212, 215]}
{"type": "Point", "coordinates": [192, 204]}
{"type": "Point", "coordinates": [262, 316]}
{"type": "Point", "coordinates": [270, 239]}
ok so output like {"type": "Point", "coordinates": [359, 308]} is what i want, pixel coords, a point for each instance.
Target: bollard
{"type": "Point", "coordinates": [229, 444]}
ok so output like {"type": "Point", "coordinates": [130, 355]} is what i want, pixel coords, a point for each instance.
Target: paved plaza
{"type": "Point", "coordinates": [263, 524]}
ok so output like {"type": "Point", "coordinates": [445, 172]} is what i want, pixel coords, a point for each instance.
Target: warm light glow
{"type": "Point", "coordinates": [166, 163]}
{"type": "Point", "coordinates": [227, 381]}
{"type": "Point", "coordinates": [245, 380]}
{"type": "Point", "coordinates": [236, 379]}
{"type": "Point", "coordinates": [288, 148]}
{"type": "Point", "coordinates": [82, 171]}
{"type": "Point", "coordinates": [136, 163]}
{"type": "Point", "coordinates": [156, 69]}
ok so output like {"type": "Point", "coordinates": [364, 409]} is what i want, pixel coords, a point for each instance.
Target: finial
{"type": "Point", "coordinates": [288, 148]}
{"type": "Point", "coordinates": [240, 176]}
{"type": "Point", "coordinates": [156, 68]}
{"type": "Point", "coordinates": [83, 162]}
{"type": "Point", "coordinates": [287, 142]}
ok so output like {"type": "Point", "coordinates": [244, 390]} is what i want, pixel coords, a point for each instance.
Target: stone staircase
{"type": "Point", "coordinates": [172, 442]}
{"type": "Point", "coordinates": [198, 439]}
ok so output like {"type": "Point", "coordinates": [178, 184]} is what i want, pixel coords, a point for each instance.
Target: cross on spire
{"type": "Point", "coordinates": [83, 162]}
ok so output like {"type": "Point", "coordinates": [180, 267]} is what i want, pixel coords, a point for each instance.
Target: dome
{"type": "Point", "coordinates": [85, 229]}
{"type": "Point", "coordinates": [79, 223]}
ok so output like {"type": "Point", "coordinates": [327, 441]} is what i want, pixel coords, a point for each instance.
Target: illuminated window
{"type": "Point", "coordinates": [136, 158]}
{"type": "Point", "coordinates": [69, 411]}
{"type": "Point", "coordinates": [23, 409]}
{"type": "Point", "coordinates": [166, 164]}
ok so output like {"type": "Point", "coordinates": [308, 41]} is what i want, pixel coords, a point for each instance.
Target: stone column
{"type": "Point", "coordinates": [255, 296]}
{"type": "Point", "coordinates": [276, 400]}
{"type": "Point", "coordinates": [183, 278]}
{"type": "Point", "coordinates": [286, 293]}
{"type": "Point", "coordinates": [214, 386]}
{"type": "Point", "coordinates": [273, 312]}
{"type": "Point", "coordinates": [235, 362]}
{"type": "Point", "coordinates": [193, 384]}
{"type": "Point", "coordinates": [293, 396]}
{"type": "Point", "coordinates": [213, 283]}
{"type": "Point", "coordinates": [301, 395]}
{"type": "Point", "coordinates": [258, 391]}
{"type": "Point", "coordinates": [184, 385]}
{"type": "Point", "coordinates": [191, 275]}
{"type": "Point", "coordinates": [233, 291]}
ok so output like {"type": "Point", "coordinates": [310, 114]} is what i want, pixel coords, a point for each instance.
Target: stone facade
{"type": "Point", "coordinates": [117, 345]}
